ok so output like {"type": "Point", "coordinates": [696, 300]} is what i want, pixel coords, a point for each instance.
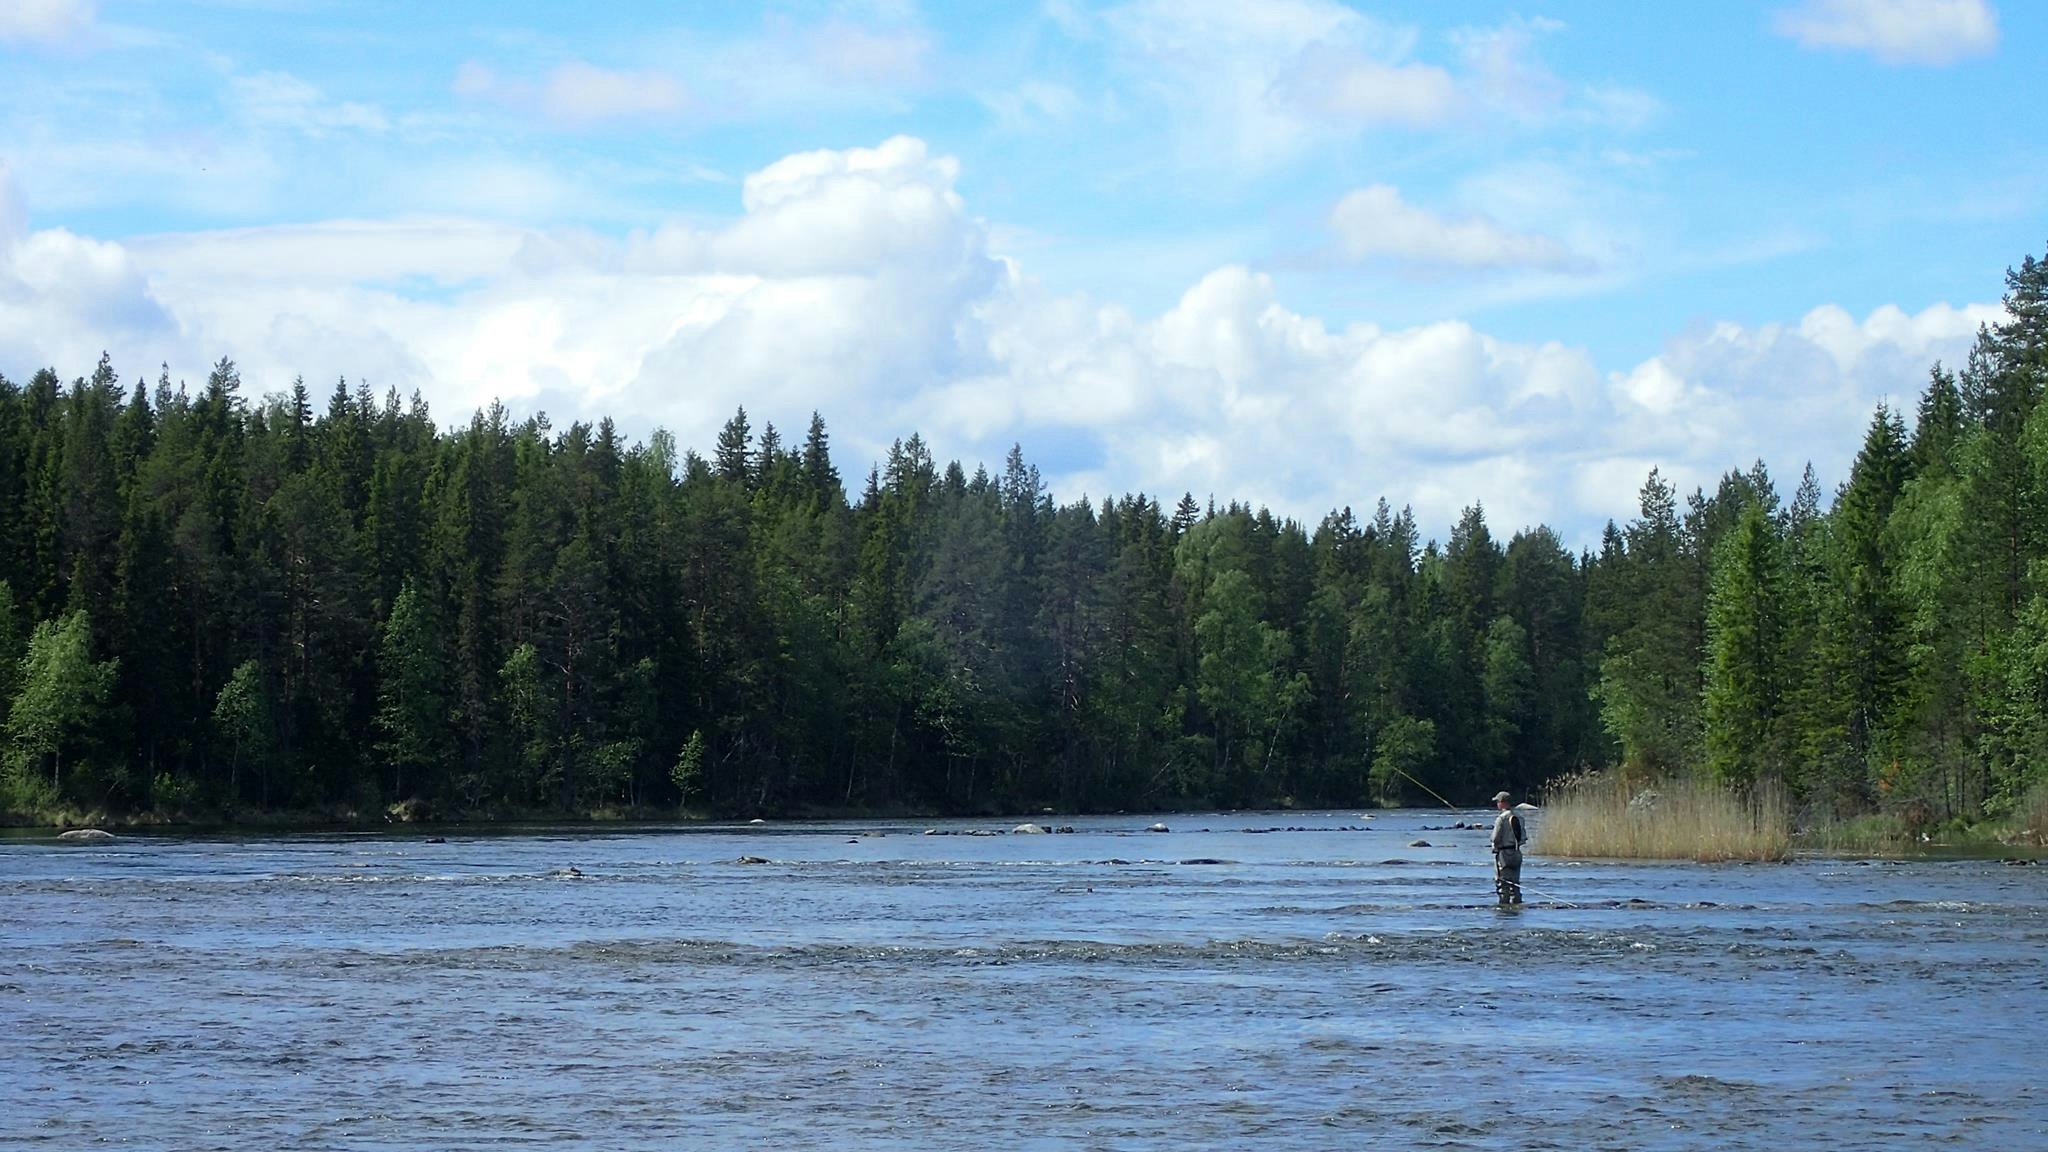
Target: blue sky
{"type": "Point", "coordinates": [1304, 253]}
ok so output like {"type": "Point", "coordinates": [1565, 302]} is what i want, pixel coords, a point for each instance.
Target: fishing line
{"type": "Point", "coordinates": [1428, 789]}
{"type": "Point", "coordinates": [1461, 812]}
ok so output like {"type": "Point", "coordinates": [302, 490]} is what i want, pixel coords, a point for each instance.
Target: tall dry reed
{"type": "Point", "coordinates": [1677, 819]}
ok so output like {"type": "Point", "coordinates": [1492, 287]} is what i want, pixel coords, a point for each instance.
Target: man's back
{"type": "Point", "coordinates": [1508, 833]}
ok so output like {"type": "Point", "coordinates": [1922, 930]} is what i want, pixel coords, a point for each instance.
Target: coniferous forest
{"type": "Point", "coordinates": [215, 604]}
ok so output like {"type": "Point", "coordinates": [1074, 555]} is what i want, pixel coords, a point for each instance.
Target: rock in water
{"type": "Point", "coordinates": [751, 860]}
{"type": "Point", "coordinates": [86, 834]}
{"type": "Point", "coordinates": [1157, 828]}
{"type": "Point", "coordinates": [1418, 843]}
{"type": "Point", "coordinates": [1027, 830]}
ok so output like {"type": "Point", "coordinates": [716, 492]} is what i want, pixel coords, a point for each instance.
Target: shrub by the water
{"type": "Point", "coordinates": [2030, 820]}
{"type": "Point", "coordinates": [1674, 819]}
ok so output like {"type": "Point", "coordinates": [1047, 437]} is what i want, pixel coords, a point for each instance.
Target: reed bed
{"type": "Point", "coordinates": [1603, 815]}
{"type": "Point", "coordinates": [2030, 820]}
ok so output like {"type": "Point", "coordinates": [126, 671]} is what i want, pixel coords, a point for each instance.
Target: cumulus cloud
{"type": "Point", "coordinates": [1375, 223]}
{"type": "Point", "coordinates": [859, 283]}
{"type": "Point", "coordinates": [44, 21]}
{"type": "Point", "coordinates": [1932, 32]}
{"type": "Point", "coordinates": [64, 298]}
{"type": "Point", "coordinates": [1788, 393]}
{"type": "Point", "coordinates": [578, 94]}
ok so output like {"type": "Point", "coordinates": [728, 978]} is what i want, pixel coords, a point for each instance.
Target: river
{"type": "Point", "coordinates": [1285, 981]}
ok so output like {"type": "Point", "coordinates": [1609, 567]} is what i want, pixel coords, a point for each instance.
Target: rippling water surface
{"type": "Point", "coordinates": [1278, 981]}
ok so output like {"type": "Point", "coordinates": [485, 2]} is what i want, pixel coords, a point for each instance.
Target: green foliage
{"type": "Point", "coordinates": [57, 717]}
{"type": "Point", "coordinates": [1403, 749]}
{"type": "Point", "coordinates": [239, 720]}
{"type": "Point", "coordinates": [412, 708]}
{"type": "Point", "coordinates": [249, 601]}
{"type": "Point", "coordinates": [1745, 675]}
{"type": "Point", "coordinates": [10, 648]}
{"type": "Point", "coordinates": [1649, 682]}
{"type": "Point", "coordinates": [688, 773]}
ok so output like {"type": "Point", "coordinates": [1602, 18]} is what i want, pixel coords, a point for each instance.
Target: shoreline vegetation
{"type": "Point", "coordinates": [213, 602]}
{"type": "Point", "coordinates": [1678, 818]}
{"type": "Point", "coordinates": [1587, 816]}
{"type": "Point", "coordinates": [1607, 815]}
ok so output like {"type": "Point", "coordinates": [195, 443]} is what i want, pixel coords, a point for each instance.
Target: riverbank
{"type": "Point", "coordinates": [396, 817]}
{"type": "Point", "coordinates": [1609, 816]}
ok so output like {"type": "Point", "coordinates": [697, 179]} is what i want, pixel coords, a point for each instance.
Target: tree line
{"type": "Point", "coordinates": [211, 604]}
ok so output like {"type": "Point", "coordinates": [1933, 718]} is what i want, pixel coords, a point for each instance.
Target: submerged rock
{"type": "Point", "coordinates": [1157, 828]}
{"type": "Point", "coordinates": [86, 834]}
{"type": "Point", "coordinates": [1418, 843]}
{"type": "Point", "coordinates": [751, 860]}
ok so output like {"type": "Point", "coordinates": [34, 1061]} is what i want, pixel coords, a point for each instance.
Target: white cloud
{"type": "Point", "coordinates": [1032, 104]}
{"type": "Point", "coordinates": [44, 21]}
{"type": "Point", "coordinates": [1351, 89]}
{"type": "Point", "coordinates": [1258, 84]}
{"type": "Point", "coordinates": [64, 298]}
{"type": "Point", "coordinates": [281, 100]}
{"type": "Point", "coordinates": [578, 94]}
{"type": "Point", "coordinates": [1375, 223]}
{"type": "Point", "coordinates": [1723, 394]}
{"type": "Point", "coordinates": [858, 283]}
{"type": "Point", "coordinates": [1894, 31]}
{"type": "Point", "coordinates": [851, 52]}
{"type": "Point", "coordinates": [1254, 84]}
{"type": "Point", "coordinates": [581, 93]}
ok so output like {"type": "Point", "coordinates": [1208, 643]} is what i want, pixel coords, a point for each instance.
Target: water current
{"type": "Point", "coordinates": [1274, 981]}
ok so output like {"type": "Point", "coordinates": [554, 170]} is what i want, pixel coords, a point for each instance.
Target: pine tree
{"type": "Point", "coordinates": [730, 460]}
{"type": "Point", "coordinates": [1746, 654]}
{"type": "Point", "coordinates": [819, 474]}
{"type": "Point", "coordinates": [412, 708]}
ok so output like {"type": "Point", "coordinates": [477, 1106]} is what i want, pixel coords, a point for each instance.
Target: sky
{"type": "Point", "coordinates": [1303, 253]}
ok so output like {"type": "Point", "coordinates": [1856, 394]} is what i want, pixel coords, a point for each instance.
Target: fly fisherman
{"type": "Point", "coordinates": [1508, 838]}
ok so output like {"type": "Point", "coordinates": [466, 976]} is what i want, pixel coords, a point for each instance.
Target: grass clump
{"type": "Point", "coordinates": [1604, 815]}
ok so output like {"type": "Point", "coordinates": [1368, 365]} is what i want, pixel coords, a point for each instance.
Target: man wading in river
{"type": "Point", "coordinates": [1508, 838]}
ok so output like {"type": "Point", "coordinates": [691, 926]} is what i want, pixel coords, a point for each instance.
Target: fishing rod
{"type": "Point", "coordinates": [1428, 789]}
{"type": "Point", "coordinates": [1461, 811]}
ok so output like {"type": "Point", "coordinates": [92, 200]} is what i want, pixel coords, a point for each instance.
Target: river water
{"type": "Point", "coordinates": [1280, 981]}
